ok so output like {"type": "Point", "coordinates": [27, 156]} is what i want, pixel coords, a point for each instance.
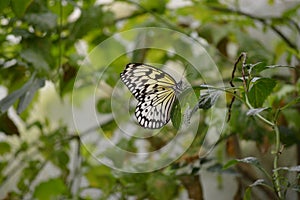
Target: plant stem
{"type": "Point", "coordinates": [275, 176]}
{"type": "Point", "coordinates": [275, 163]}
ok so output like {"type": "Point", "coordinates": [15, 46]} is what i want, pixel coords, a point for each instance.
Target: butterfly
{"type": "Point", "coordinates": [155, 90]}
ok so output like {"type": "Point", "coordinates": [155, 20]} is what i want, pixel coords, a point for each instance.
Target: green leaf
{"type": "Point", "coordinates": [293, 11]}
{"type": "Point", "coordinates": [248, 160]}
{"type": "Point", "coordinates": [135, 185]}
{"type": "Point", "coordinates": [104, 106]}
{"type": "Point", "coordinates": [291, 103]}
{"type": "Point", "coordinates": [162, 187]}
{"type": "Point", "coordinates": [10, 99]}
{"type": "Point", "coordinates": [256, 49]}
{"type": "Point", "coordinates": [260, 89]}
{"type": "Point", "coordinates": [176, 115]}
{"type": "Point", "coordinates": [247, 195]}
{"type": "Point", "coordinates": [4, 148]}
{"type": "Point", "coordinates": [68, 78]}
{"type": "Point", "coordinates": [89, 20]}
{"type": "Point", "coordinates": [216, 167]}
{"type": "Point", "coordinates": [4, 4]}
{"type": "Point", "coordinates": [24, 94]}
{"type": "Point", "coordinates": [186, 100]}
{"type": "Point", "coordinates": [154, 5]}
{"type": "Point", "coordinates": [261, 66]}
{"type": "Point", "coordinates": [43, 21]}
{"type": "Point", "coordinates": [289, 135]}
{"type": "Point", "coordinates": [101, 177]}
{"type": "Point", "coordinates": [256, 68]}
{"type": "Point", "coordinates": [230, 163]}
{"type": "Point", "coordinates": [36, 58]}
{"type": "Point", "coordinates": [51, 189]}
{"type": "Point", "coordinates": [3, 165]}
{"type": "Point", "coordinates": [8, 126]}
{"type": "Point", "coordinates": [26, 98]}
{"type": "Point", "coordinates": [61, 159]}
{"type": "Point", "coordinates": [19, 7]}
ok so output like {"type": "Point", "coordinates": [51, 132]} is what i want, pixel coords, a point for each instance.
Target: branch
{"type": "Point", "coordinates": [264, 21]}
{"type": "Point", "coordinates": [193, 186]}
{"type": "Point", "coordinates": [232, 85]}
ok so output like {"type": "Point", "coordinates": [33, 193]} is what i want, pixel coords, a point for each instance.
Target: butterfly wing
{"type": "Point", "coordinates": [154, 89]}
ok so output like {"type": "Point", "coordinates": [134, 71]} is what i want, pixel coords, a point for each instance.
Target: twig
{"type": "Point", "coordinates": [263, 21]}
{"type": "Point", "coordinates": [77, 167]}
{"type": "Point", "coordinates": [193, 186]}
{"type": "Point", "coordinates": [275, 177]}
{"type": "Point", "coordinates": [232, 85]}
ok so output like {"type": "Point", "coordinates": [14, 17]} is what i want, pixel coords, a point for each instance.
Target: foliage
{"type": "Point", "coordinates": [40, 46]}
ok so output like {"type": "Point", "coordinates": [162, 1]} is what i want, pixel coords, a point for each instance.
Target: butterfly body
{"type": "Point", "coordinates": [155, 91]}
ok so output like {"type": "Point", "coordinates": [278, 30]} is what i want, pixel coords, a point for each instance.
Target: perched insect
{"type": "Point", "coordinates": [155, 91]}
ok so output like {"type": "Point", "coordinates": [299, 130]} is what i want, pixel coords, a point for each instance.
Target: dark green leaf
{"type": "Point", "coordinates": [127, 145]}
{"type": "Point", "coordinates": [288, 135]}
{"type": "Point", "coordinates": [61, 159]}
{"type": "Point", "coordinates": [257, 50]}
{"type": "Point", "coordinates": [90, 19]}
{"type": "Point", "coordinates": [4, 148]}
{"type": "Point", "coordinates": [8, 126]}
{"type": "Point", "coordinates": [3, 165]}
{"type": "Point", "coordinates": [10, 99]}
{"type": "Point", "coordinates": [36, 58]}
{"type": "Point", "coordinates": [162, 187]}
{"type": "Point", "coordinates": [104, 106]}
{"type": "Point", "coordinates": [26, 98]}
{"type": "Point", "coordinates": [176, 115]}
{"type": "Point", "coordinates": [218, 168]}
{"type": "Point", "coordinates": [135, 184]}
{"type": "Point", "coordinates": [4, 4]}
{"type": "Point", "coordinates": [259, 67]}
{"type": "Point", "coordinates": [68, 78]}
{"type": "Point", "coordinates": [50, 189]}
{"type": "Point", "coordinates": [154, 5]}
{"type": "Point", "coordinates": [248, 160]}
{"type": "Point", "coordinates": [19, 7]}
{"type": "Point", "coordinates": [42, 21]}
{"type": "Point", "coordinates": [186, 100]}
{"type": "Point", "coordinates": [102, 178]}
{"type": "Point", "coordinates": [256, 68]}
{"type": "Point", "coordinates": [109, 127]}
{"type": "Point", "coordinates": [296, 188]}
{"type": "Point", "coordinates": [260, 89]}
{"type": "Point", "coordinates": [23, 147]}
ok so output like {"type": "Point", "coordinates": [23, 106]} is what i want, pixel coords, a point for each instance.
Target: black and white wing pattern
{"type": "Point", "coordinates": [155, 91]}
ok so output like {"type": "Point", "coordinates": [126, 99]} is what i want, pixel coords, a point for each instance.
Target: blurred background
{"type": "Point", "coordinates": [60, 63]}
